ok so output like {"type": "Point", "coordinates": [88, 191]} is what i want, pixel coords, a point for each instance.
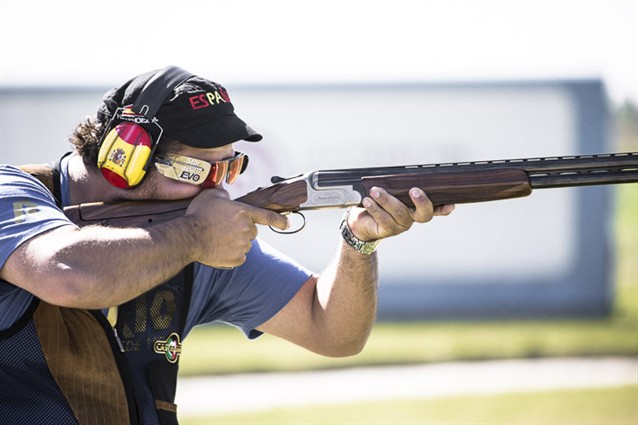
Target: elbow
{"type": "Point", "coordinates": [347, 351]}
{"type": "Point", "coordinates": [345, 338]}
{"type": "Point", "coordinates": [64, 293]}
{"type": "Point", "coordinates": [66, 288]}
{"type": "Point", "coordinates": [345, 347]}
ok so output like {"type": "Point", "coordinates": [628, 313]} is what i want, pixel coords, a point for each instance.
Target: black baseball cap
{"type": "Point", "coordinates": [197, 113]}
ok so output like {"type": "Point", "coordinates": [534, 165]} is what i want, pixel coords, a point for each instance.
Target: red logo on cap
{"type": "Point", "coordinates": [213, 98]}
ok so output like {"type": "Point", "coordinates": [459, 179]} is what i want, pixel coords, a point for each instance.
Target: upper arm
{"type": "Point", "coordinates": [249, 295]}
{"type": "Point", "coordinates": [28, 265]}
{"type": "Point", "coordinates": [28, 213]}
{"type": "Point", "coordinates": [295, 322]}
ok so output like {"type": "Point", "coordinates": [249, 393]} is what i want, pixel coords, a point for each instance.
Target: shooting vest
{"type": "Point", "coordinates": [74, 366]}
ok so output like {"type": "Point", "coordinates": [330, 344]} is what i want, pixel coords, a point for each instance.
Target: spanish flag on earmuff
{"type": "Point", "coordinates": [124, 154]}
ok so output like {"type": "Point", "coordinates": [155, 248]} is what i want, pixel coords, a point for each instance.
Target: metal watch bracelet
{"type": "Point", "coordinates": [362, 247]}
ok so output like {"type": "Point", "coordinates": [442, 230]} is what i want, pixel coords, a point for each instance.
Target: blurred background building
{"type": "Point", "coordinates": [546, 255]}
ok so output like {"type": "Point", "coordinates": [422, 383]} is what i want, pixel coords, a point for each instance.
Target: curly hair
{"type": "Point", "coordinates": [86, 139]}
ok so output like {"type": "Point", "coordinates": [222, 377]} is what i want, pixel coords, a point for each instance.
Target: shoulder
{"type": "Point", "coordinates": [24, 192]}
{"type": "Point", "coordinates": [265, 262]}
{"type": "Point", "coordinates": [28, 209]}
{"type": "Point", "coordinates": [11, 171]}
{"type": "Point", "coordinates": [14, 181]}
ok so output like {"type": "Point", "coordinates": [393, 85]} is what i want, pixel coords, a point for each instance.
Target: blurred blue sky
{"type": "Point", "coordinates": [242, 41]}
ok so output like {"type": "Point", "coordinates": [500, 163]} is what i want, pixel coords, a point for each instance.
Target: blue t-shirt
{"type": "Point", "coordinates": [27, 209]}
{"type": "Point", "coordinates": [244, 297]}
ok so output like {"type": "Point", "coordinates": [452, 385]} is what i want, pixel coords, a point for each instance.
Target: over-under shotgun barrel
{"type": "Point", "coordinates": [623, 163]}
{"type": "Point", "coordinates": [479, 181]}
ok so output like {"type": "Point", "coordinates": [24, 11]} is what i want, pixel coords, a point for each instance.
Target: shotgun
{"type": "Point", "coordinates": [447, 183]}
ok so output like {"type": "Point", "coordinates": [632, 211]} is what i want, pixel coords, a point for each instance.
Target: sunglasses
{"type": "Point", "coordinates": [196, 171]}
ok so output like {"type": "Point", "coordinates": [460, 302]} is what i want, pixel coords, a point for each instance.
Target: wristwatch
{"type": "Point", "coordinates": [365, 248]}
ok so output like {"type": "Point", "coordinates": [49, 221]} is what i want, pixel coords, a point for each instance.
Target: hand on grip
{"type": "Point", "coordinates": [223, 229]}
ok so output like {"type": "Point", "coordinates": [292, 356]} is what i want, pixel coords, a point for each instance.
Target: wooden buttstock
{"type": "Point", "coordinates": [456, 187]}
{"type": "Point", "coordinates": [126, 214]}
{"type": "Point", "coordinates": [282, 197]}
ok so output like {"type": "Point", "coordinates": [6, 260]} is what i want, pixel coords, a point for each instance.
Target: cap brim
{"type": "Point", "coordinates": [215, 133]}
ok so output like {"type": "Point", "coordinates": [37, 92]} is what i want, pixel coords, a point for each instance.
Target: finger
{"type": "Point", "coordinates": [395, 209]}
{"type": "Point", "coordinates": [236, 262]}
{"type": "Point", "coordinates": [443, 210]}
{"type": "Point", "coordinates": [237, 254]}
{"type": "Point", "coordinates": [423, 208]}
{"type": "Point", "coordinates": [269, 218]}
{"type": "Point", "coordinates": [381, 217]}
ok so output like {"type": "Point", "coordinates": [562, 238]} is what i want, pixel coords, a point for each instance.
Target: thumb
{"type": "Point", "coordinates": [269, 218]}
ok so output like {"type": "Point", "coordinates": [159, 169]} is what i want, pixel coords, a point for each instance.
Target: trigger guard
{"type": "Point", "coordinates": [291, 232]}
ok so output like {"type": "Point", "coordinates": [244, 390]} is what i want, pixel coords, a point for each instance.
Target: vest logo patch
{"type": "Point", "coordinates": [171, 348]}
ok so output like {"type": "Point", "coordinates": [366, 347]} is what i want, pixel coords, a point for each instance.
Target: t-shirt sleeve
{"type": "Point", "coordinates": [248, 295]}
{"type": "Point", "coordinates": [27, 209]}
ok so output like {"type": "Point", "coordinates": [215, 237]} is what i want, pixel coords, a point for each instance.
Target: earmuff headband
{"type": "Point", "coordinates": [128, 145]}
{"type": "Point", "coordinates": [157, 89]}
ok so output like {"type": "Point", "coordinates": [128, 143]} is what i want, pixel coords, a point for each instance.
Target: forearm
{"type": "Point", "coordinates": [346, 295]}
{"type": "Point", "coordinates": [333, 314]}
{"type": "Point", "coordinates": [97, 266]}
{"type": "Point", "coordinates": [346, 301]}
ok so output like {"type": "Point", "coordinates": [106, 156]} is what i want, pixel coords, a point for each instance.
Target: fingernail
{"type": "Point", "coordinates": [374, 192]}
{"type": "Point", "coordinates": [366, 202]}
{"type": "Point", "coordinates": [415, 193]}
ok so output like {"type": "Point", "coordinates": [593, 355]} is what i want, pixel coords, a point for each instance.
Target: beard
{"type": "Point", "coordinates": [156, 187]}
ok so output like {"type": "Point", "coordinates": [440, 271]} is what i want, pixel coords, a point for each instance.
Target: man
{"type": "Point", "coordinates": [92, 319]}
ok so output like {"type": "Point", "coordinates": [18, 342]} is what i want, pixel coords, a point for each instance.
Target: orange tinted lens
{"type": "Point", "coordinates": [235, 169]}
{"type": "Point", "coordinates": [217, 173]}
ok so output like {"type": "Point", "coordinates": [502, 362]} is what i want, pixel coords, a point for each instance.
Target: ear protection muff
{"type": "Point", "coordinates": [130, 139]}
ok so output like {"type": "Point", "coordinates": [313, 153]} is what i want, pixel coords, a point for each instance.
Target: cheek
{"type": "Point", "coordinates": [176, 190]}
{"type": "Point", "coordinates": [157, 186]}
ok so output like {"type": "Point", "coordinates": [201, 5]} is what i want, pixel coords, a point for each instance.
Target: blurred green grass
{"type": "Point", "coordinates": [222, 349]}
{"type": "Point", "coordinates": [615, 406]}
